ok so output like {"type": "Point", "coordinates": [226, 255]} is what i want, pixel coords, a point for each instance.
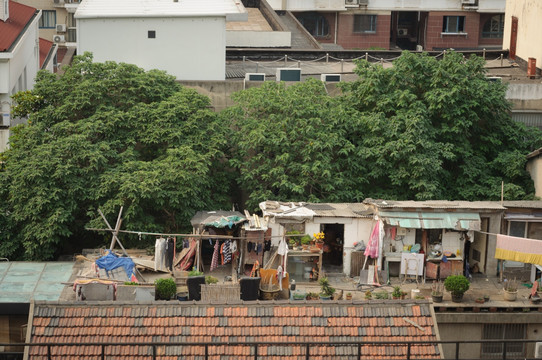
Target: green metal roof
{"type": "Point", "coordinates": [21, 282]}
{"type": "Point", "coordinates": [432, 220]}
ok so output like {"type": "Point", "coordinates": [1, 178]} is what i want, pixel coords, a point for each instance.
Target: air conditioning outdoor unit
{"type": "Point", "coordinates": [59, 2]}
{"type": "Point", "coordinates": [59, 38]}
{"type": "Point", "coordinates": [351, 2]}
{"type": "Point", "coordinates": [538, 350]}
{"type": "Point", "coordinates": [494, 78]}
{"type": "Point", "coordinates": [330, 77]}
{"type": "Point", "coordinates": [364, 2]}
{"type": "Point", "coordinates": [4, 120]}
{"type": "Point", "coordinates": [254, 77]}
{"type": "Point", "coordinates": [60, 27]}
{"type": "Point", "coordinates": [287, 74]}
{"type": "Point", "coordinates": [402, 32]}
{"type": "Point", "coordinates": [468, 2]}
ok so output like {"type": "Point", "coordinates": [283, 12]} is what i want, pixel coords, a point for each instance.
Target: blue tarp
{"type": "Point", "coordinates": [112, 261]}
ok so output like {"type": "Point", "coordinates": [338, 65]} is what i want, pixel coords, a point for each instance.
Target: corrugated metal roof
{"type": "Point", "coordinates": [89, 9]}
{"type": "Point", "coordinates": [304, 211]}
{"type": "Point", "coordinates": [21, 282]}
{"type": "Point", "coordinates": [526, 204]}
{"type": "Point", "coordinates": [19, 16]}
{"type": "Point", "coordinates": [432, 220]}
{"type": "Point", "coordinates": [436, 204]}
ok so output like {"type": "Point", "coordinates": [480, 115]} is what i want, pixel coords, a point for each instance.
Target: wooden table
{"type": "Point", "coordinates": [308, 254]}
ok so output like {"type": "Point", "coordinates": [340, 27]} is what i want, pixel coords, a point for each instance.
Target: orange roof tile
{"type": "Point", "coordinates": [178, 322]}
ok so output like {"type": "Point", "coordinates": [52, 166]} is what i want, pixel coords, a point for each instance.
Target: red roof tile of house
{"type": "Point", "coordinates": [19, 16]}
{"type": "Point", "coordinates": [45, 47]}
{"type": "Point", "coordinates": [244, 323]}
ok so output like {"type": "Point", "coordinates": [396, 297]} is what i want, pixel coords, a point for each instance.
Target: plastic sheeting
{"type": "Point", "coordinates": [111, 261]}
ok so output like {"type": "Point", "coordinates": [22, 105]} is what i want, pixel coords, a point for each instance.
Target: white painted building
{"type": "Point", "coordinates": [186, 38]}
{"type": "Point", "coordinates": [19, 58]}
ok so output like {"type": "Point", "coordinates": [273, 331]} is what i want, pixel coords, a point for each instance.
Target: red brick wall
{"type": "Point", "coordinates": [434, 30]}
{"type": "Point", "coordinates": [350, 40]}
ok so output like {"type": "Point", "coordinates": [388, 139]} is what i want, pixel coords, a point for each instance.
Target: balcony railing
{"type": "Point", "coordinates": [310, 349]}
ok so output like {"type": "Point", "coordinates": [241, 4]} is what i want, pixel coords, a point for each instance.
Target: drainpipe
{"type": "Point", "coordinates": [336, 25]}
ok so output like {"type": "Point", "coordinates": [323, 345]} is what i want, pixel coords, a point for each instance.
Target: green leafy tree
{"type": "Point", "coordinates": [293, 143]}
{"type": "Point", "coordinates": [438, 129]}
{"type": "Point", "coordinates": [106, 135]}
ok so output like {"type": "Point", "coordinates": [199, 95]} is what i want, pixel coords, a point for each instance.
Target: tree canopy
{"type": "Point", "coordinates": [105, 135]}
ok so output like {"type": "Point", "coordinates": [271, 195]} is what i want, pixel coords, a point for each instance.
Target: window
{"type": "Point", "coordinates": [151, 34]}
{"type": "Point", "coordinates": [316, 24]}
{"type": "Point", "coordinates": [72, 28]}
{"type": "Point", "coordinates": [48, 19]}
{"type": "Point", "coordinates": [494, 27]}
{"type": "Point", "coordinates": [503, 332]}
{"type": "Point", "coordinates": [453, 24]}
{"type": "Point", "coordinates": [364, 23]}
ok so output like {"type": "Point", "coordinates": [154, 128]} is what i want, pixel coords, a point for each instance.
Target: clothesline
{"type": "Point", "coordinates": [205, 236]}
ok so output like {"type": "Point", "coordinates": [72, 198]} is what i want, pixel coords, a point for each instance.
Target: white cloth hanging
{"type": "Point", "coordinates": [160, 254]}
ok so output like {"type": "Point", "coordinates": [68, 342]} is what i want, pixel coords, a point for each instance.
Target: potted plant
{"type": "Point", "coordinates": [165, 288]}
{"type": "Point", "coordinates": [368, 295]}
{"type": "Point", "coordinates": [348, 296]}
{"type": "Point", "coordinates": [457, 285]}
{"type": "Point", "coordinates": [194, 282]}
{"type": "Point", "coordinates": [396, 294]}
{"type": "Point", "coordinates": [305, 242]}
{"type": "Point", "coordinates": [511, 290]}
{"type": "Point", "coordinates": [319, 240]}
{"type": "Point", "coordinates": [480, 300]}
{"type": "Point", "coordinates": [293, 240]}
{"type": "Point", "coordinates": [299, 295]}
{"type": "Point", "coordinates": [437, 291]}
{"type": "Point", "coordinates": [210, 280]}
{"type": "Point", "coordinates": [381, 295]}
{"type": "Point", "coordinates": [312, 296]}
{"type": "Point", "coordinates": [327, 291]}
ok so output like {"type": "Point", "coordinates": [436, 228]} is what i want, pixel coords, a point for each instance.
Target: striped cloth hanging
{"type": "Point", "coordinates": [216, 253]}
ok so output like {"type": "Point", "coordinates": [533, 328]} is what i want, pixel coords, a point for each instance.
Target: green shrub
{"type": "Point", "coordinates": [456, 284]}
{"type": "Point", "coordinates": [194, 272]}
{"type": "Point", "coordinates": [327, 290]}
{"type": "Point", "coordinates": [165, 288]}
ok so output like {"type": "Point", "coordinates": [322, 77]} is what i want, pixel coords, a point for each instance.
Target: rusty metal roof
{"type": "Point", "coordinates": [435, 204]}
{"type": "Point", "coordinates": [526, 204]}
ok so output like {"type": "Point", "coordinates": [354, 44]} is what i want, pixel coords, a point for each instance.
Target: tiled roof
{"type": "Point", "coordinates": [248, 322]}
{"type": "Point", "coordinates": [19, 16]}
{"type": "Point", "coordinates": [45, 47]}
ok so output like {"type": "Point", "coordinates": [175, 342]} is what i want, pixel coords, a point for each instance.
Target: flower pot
{"type": "Point", "coordinates": [480, 300]}
{"type": "Point", "coordinates": [510, 295]}
{"type": "Point", "coordinates": [348, 297]}
{"type": "Point", "coordinates": [325, 297]}
{"type": "Point", "coordinates": [457, 298]}
{"type": "Point", "coordinates": [437, 298]}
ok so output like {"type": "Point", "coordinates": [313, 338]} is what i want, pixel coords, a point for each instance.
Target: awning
{"type": "Point", "coordinates": [431, 220]}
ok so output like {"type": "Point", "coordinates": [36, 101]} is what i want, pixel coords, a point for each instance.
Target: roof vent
{"type": "Point", "coordinates": [4, 10]}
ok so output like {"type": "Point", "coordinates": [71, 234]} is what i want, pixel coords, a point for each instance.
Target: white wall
{"type": "Point", "coordinates": [188, 48]}
{"type": "Point", "coordinates": [18, 71]}
{"type": "Point", "coordinates": [529, 13]}
{"type": "Point", "coordinates": [239, 38]}
{"type": "Point", "coordinates": [534, 167]}
{"type": "Point", "coordinates": [307, 5]}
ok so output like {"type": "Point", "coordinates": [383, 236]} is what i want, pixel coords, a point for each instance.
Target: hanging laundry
{"type": "Point", "coordinates": [280, 276]}
{"type": "Point", "coordinates": [170, 253]}
{"type": "Point", "coordinates": [214, 261]}
{"type": "Point", "coordinates": [160, 254]}
{"type": "Point", "coordinates": [259, 248]}
{"type": "Point", "coordinates": [267, 245]}
{"type": "Point", "coordinates": [226, 252]}
{"type": "Point", "coordinates": [234, 246]}
{"type": "Point", "coordinates": [249, 246]}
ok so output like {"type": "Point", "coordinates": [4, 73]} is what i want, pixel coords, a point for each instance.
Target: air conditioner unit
{"type": "Point", "coordinates": [5, 119]}
{"type": "Point", "coordinates": [330, 77]}
{"type": "Point", "coordinates": [59, 38]}
{"type": "Point", "coordinates": [401, 231]}
{"type": "Point", "coordinates": [351, 2]}
{"type": "Point", "coordinates": [364, 2]}
{"type": "Point", "coordinates": [402, 32]}
{"type": "Point", "coordinates": [60, 27]}
{"type": "Point", "coordinates": [468, 2]}
{"type": "Point", "coordinates": [58, 2]}
{"type": "Point", "coordinates": [538, 350]}
{"type": "Point", "coordinates": [494, 78]}
{"type": "Point", "coordinates": [287, 74]}
{"type": "Point", "coordinates": [254, 77]}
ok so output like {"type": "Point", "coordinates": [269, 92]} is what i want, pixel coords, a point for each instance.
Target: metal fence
{"type": "Point", "coordinates": [310, 350]}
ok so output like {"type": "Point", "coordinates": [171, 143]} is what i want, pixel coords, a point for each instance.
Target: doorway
{"type": "Point", "coordinates": [408, 29]}
{"type": "Point", "coordinates": [332, 258]}
{"type": "Point", "coordinates": [477, 251]}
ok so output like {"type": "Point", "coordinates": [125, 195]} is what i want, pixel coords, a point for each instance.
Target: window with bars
{"type": "Point", "coordinates": [48, 19]}
{"type": "Point", "coordinates": [494, 27]}
{"type": "Point", "coordinates": [365, 23]}
{"type": "Point", "coordinates": [453, 24]}
{"type": "Point", "coordinates": [503, 332]}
